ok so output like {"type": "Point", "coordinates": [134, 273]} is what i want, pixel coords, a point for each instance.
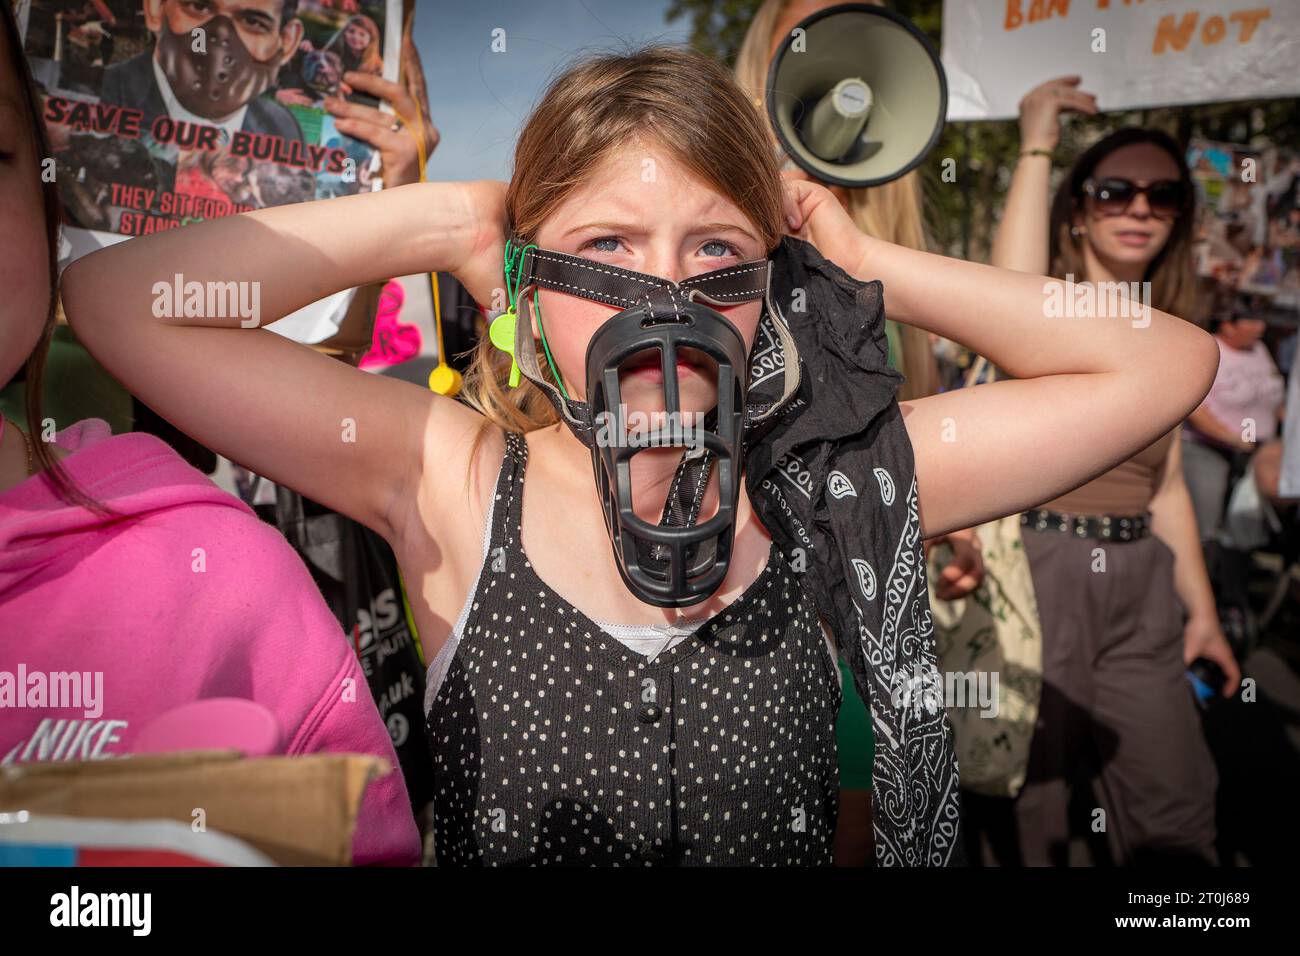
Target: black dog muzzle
{"type": "Point", "coordinates": [679, 561]}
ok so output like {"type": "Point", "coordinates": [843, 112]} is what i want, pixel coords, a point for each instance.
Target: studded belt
{"type": "Point", "coordinates": [1106, 527]}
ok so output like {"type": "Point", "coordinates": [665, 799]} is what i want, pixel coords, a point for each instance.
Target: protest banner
{"type": "Point", "coordinates": [1131, 55]}
{"type": "Point", "coordinates": [163, 113]}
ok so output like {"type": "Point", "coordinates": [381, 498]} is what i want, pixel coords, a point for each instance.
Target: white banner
{"type": "Point", "coordinates": [1131, 55]}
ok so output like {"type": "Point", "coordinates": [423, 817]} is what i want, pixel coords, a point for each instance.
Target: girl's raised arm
{"type": "Point", "coordinates": [1099, 377]}
{"type": "Point", "coordinates": [1021, 241]}
{"type": "Point", "coordinates": [1097, 380]}
{"type": "Point", "coordinates": [175, 317]}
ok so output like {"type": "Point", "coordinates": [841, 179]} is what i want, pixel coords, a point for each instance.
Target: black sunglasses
{"type": "Point", "coordinates": [1166, 198]}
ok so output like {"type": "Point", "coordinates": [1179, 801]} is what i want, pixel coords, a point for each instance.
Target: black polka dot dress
{"type": "Point", "coordinates": [554, 744]}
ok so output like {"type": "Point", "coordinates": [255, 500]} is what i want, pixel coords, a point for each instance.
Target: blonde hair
{"type": "Point", "coordinates": [674, 97]}
{"type": "Point", "coordinates": [892, 212]}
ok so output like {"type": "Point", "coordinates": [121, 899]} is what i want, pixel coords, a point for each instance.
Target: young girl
{"type": "Point", "coordinates": [119, 559]}
{"type": "Point", "coordinates": [692, 736]}
{"type": "Point", "coordinates": [1116, 712]}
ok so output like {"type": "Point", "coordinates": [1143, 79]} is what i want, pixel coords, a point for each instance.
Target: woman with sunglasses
{"type": "Point", "coordinates": [1118, 756]}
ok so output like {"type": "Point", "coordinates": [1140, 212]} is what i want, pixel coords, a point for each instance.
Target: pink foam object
{"type": "Point", "coordinates": [217, 723]}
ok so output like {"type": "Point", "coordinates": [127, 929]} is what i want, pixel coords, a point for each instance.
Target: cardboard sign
{"type": "Point", "coordinates": [1131, 55]}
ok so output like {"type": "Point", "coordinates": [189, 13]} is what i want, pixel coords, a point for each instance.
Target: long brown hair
{"type": "Point", "coordinates": [892, 211]}
{"type": "Point", "coordinates": [675, 97]}
{"type": "Point", "coordinates": [1172, 272]}
{"type": "Point", "coordinates": [34, 369]}
{"type": "Point", "coordinates": [371, 60]}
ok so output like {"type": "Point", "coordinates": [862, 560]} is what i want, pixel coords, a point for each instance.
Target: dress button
{"type": "Point", "coordinates": [650, 713]}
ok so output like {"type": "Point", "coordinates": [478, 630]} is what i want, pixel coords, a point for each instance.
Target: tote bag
{"type": "Point", "coordinates": [994, 634]}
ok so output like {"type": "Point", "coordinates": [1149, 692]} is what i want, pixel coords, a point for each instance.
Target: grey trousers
{"type": "Point", "coordinates": [1119, 770]}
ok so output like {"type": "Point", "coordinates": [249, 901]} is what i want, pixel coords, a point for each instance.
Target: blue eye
{"type": "Point", "coordinates": [727, 249]}
{"type": "Point", "coordinates": [596, 244]}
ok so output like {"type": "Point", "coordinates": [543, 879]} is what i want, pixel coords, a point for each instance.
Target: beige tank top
{"type": "Point", "coordinates": [1127, 489]}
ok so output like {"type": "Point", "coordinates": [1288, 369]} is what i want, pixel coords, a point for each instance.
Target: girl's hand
{"type": "Point", "coordinates": [813, 214]}
{"type": "Point", "coordinates": [1202, 637]}
{"type": "Point", "coordinates": [482, 272]}
{"type": "Point", "coordinates": [965, 571]}
{"type": "Point", "coordinates": [1041, 109]}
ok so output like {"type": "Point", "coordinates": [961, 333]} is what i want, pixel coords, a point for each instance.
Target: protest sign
{"type": "Point", "coordinates": [1131, 55]}
{"type": "Point", "coordinates": [163, 113]}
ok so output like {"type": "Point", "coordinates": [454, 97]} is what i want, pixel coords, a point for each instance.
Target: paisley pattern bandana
{"type": "Point", "coordinates": [834, 482]}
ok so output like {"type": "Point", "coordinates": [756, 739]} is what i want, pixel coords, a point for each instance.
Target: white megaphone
{"type": "Point", "coordinates": [857, 95]}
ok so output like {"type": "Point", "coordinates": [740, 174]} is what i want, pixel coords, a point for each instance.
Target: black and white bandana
{"type": "Point", "coordinates": [834, 482]}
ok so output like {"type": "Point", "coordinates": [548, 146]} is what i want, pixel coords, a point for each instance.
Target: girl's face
{"type": "Point", "coordinates": [643, 211]}
{"type": "Point", "coordinates": [24, 267]}
{"type": "Point", "coordinates": [356, 36]}
{"type": "Point", "coordinates": [1135, 236]}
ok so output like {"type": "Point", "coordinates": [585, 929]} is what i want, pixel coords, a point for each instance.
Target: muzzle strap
{"type": "Point", "coordinates": [624, 288]}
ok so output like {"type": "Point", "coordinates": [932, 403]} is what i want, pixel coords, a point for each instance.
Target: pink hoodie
{"type": "Point", "coordinates": [188, 596]}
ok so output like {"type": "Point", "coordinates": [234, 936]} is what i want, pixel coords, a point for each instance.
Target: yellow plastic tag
{"type": "Point", "coordinates": [502, 334]}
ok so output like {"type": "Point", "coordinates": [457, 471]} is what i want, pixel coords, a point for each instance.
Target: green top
{"type": "Point", "coordinates": [76, 387]}
{"type": "Point", "coordinates": [895, 338]}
